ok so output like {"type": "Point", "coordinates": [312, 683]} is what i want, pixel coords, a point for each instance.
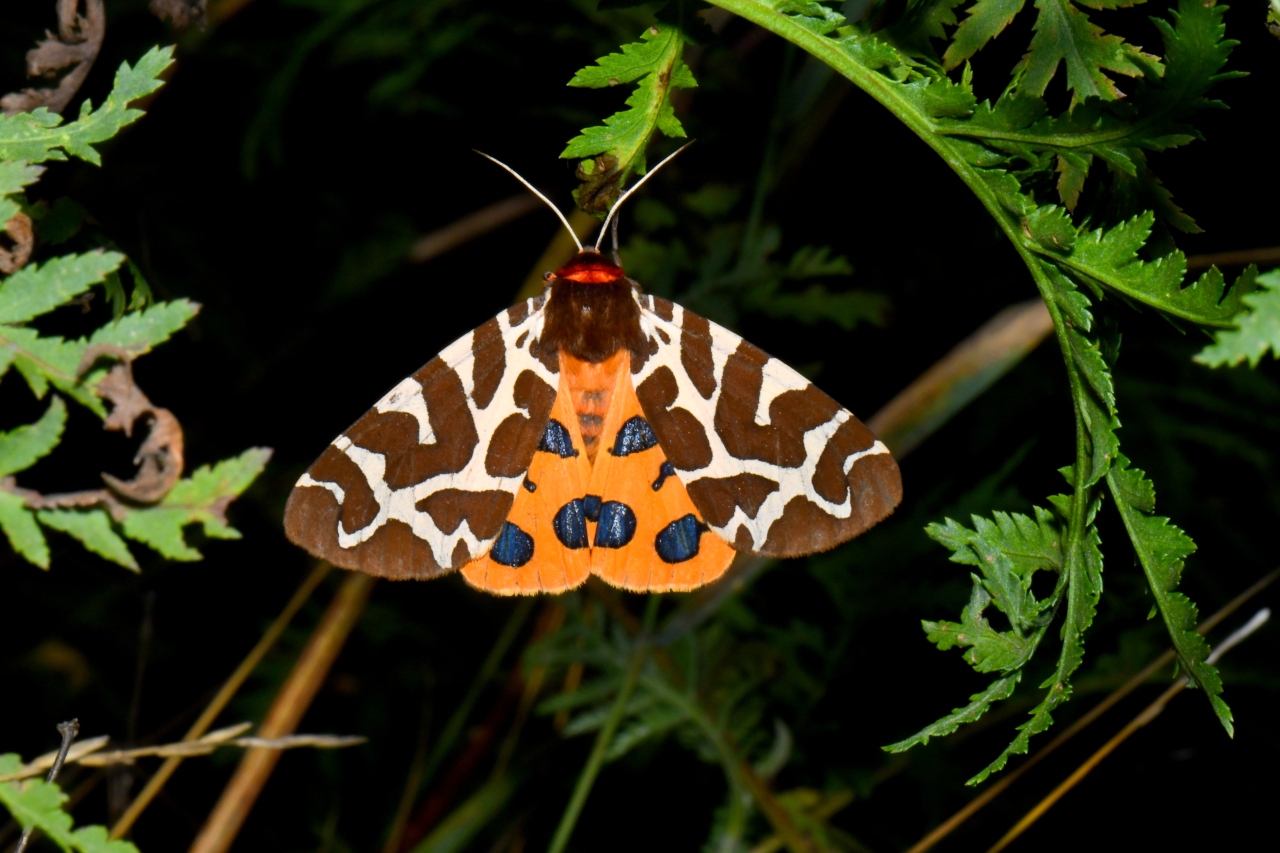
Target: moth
{"type": "Point", "coordinates": [594, 429]}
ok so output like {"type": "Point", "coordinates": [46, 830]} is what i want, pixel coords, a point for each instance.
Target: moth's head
{"type": "Point", "coordinates": [591, 267]}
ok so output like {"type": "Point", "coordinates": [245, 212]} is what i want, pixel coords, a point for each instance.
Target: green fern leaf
{"type": "Point", "coordinates": [141, 331]}
{"type": "Point", "coordinates": [36, 804]}
{"type": "Point", "coordinates": [1257, 328]}
{"type": "Point", "coordinates": [199, 499]}
{"type": "Point", "coordinates": [1063, 36]}
{"type": "Point", "coordinates": [40, 135]}
{"type": "Point", "coordinates": [18, 524]}
{"type": "Point", "coordinates": [979, 704]}
{"type": "Point", "coordinates": [92, 528]}
{"type": "Point", "coordinates": [22, 446]}
{"type": "Point", "coordinates": [1162, 549]}
{"type": "Point", "coordinates": [656, 65]}
{"type": "Point", "coordinates": [1109, 257]}
{"type": "Point", "coordinates": [38, 289]}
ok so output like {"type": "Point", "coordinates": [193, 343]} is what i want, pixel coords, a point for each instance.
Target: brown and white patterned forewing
{"type": "Point", "coordinates": [422, 483]}
{"type": "Point", "coordinates": [774, 465]}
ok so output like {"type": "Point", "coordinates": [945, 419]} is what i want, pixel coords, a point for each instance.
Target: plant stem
{"type": "Point", "coordinates": [291, 702]}
{"type": "Point", "coordinates": [221, 700]}
{"type": "Point", "coordinates": [603, 740]}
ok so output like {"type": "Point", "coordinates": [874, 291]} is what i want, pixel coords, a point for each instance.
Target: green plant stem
{"type": "Point", "coordinates": [453, 729]}
{"type": "Point", "coordinates": [587, 778]}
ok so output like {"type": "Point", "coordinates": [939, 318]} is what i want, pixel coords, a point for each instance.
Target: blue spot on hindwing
{"type": "Point", "coordinates": [591, 506]}
{"type": "Point", "coordinates": [570, 524]}
{"type": "Point", "coordinates": [529, 485]}
{"type": "Point", "coordinates": [663, 473]}
{"type": "Point", "coordinates": [556, 440]}
{"type": "Point", "coordinates": [513, 547]}
{"type": "Point", "coordinates": [678, 541]}
{"type": "Point", "coordinates": [617, 525]}
{"type": "Point", "coordinates": [634, 436]}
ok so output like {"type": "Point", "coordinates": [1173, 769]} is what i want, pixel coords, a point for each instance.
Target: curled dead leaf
{"type": "Point", "coordinates": [72, 50]}
{"type": "Point", "coordinates": [18, 229]}
{"type": "Point", "coordinates": [160, 456]}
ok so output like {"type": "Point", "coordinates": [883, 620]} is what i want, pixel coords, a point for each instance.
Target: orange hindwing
{"type": "Point", "coordinates": [537, 550]}
{"type": "Point", "coordinates": [646, 534]}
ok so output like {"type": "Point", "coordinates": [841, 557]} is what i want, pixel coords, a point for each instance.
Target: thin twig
{"type": "Point", "coordinates": [291, 702]}
{"type": "Point", "coordinates": [960, 376]}
{"type": "Point", "coordinates": [1147, 715]}
{"type": "Point", "coordinates": [471, 226]}
{"type": "Point", "coordinates": [89, 753]}
{"type": "Point", "coordinates": [1237, 258]}
{"type": "Point", "coordinates": [1137, 680]}
{"type": "Point", "coordinates": [222, 699]}
{"type": "Point", "coordinates": [68, 730]}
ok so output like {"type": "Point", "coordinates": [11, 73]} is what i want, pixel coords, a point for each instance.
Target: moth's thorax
{"type": "Point", "coordinates": [591, 311]}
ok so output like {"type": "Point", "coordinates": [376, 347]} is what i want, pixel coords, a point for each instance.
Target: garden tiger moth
{"type": "Point", "coordinates": [593, 429]}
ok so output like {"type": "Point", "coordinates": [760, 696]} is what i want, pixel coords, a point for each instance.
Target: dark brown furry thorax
{"type": "Point", "coordinates": [591, 321]}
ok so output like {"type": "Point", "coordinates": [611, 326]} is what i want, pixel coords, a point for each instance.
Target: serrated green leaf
{"type": "Point", "coordinates": [656, 65]}
{"type": "Point", "coordinates": [1051, 227]}
{"type": "Point", "coordinates": [986, 20]}
{"type": "Point", "coordinates": [22, 446]}
{"type": "Point", "coordinates": [139, 332]}
{"type": "Point", "coordinates": [1257, 328]}
{"type": "Point", "coordinates": [979, 704]}
{"type": "Point", "coordinates": [989, 650]}
{"type": "Point", "coordinates": [198, 499]}
{"type": "Point", "coordinates": [92, 528]}
{"type": "Point", "coordinates": [1088, 358]}
{"type": "Point", "coordinates": [19, 526]}
{"type": "Point", "coordinates": [162, 529]}
{"type": "Point", "coordinates": [40, 135]}
{"type": "Point", "coordinates": [36, 289]}
{"type": "Point", "coordinates": [35, 803]}
{"type": "Point", "coordinates": [1109, 257]}
{"type": "Point", "coordinates": [14, 175]}
{"type": "Point", "coordinates": [1162, 549]}
{"type": "Point", "coordinates": [1153, 118]}
{"type": "Point", "coordinates": [1065, 36]}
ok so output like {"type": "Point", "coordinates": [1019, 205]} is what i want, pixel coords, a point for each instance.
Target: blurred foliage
{"type": "Point", "coordinates": [303, 144]}
{"type": "Point", "coordinates": [71, 366]}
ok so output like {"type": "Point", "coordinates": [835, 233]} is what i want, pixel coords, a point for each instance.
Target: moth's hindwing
{"type": "Point", "coordinates": [647, 535]}
{"type": "Point", "coordinates": [543, 546]}
{"type": "Point", "coordinates": [424, 481]}
{"type": "Point", "coordinates": [774, 465]}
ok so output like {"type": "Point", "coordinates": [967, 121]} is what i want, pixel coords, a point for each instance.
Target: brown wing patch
{"type": "Point", "coordinates": [488, 364]}
{"type": "Point", "coordinates": [721, 496]}
{"type": "Point", "coordinates": [695, 354]}
{"type": "Point", "coordinates": [791, 413]}
{"type": "Point", "coordinates": [773, 465]}
{"type": "Point", "coordinates": [417, 486]}
{"type": "Point", "coordinates": [512, 443]}
{"type": "Point", "coordinates": [683, 435]}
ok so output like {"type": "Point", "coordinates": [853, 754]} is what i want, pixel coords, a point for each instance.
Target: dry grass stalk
{"type": "Point", "coordinates": [293, 700]}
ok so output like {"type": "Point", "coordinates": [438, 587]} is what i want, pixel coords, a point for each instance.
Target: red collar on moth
{"type": "Point", "coordinates": [589, 267]}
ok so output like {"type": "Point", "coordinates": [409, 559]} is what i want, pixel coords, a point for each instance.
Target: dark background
{"type": "Point", "coordinates": [278, 180]}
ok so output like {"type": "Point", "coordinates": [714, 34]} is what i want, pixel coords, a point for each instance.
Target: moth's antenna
{"type": "Point", "coordinates": [615, 238]}
{"type": "Point", "coordinates": [531, 189]}
{"type": "Point", "coordinates": [617, 204]}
